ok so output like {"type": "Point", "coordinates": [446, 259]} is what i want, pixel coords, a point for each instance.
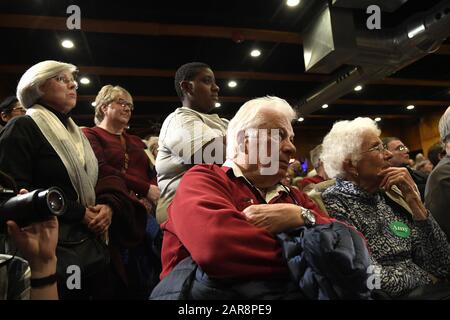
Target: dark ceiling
{"type": "Point", "coordinates": [140, 44]}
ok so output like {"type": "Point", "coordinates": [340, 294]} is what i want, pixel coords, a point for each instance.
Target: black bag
{"type": "Point", "coordinates": [90, 254]}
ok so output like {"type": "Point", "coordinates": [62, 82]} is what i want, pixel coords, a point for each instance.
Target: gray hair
{"type": "Point", "coordinates": [250, 115]}
{"type": "Point", "coordinates": [315, 155]}
{"type": "Point", "coordinates": [28, 88]}
{"type": "Point", "coordinates": [344, 142]}
{"type": "Point", "coordinates": [444, 126]}
{"type": "Point", "coordinates": [105, 96]}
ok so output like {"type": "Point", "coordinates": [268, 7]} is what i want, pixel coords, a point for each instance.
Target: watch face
{"type": "Point", "coordinates": [309, 217]}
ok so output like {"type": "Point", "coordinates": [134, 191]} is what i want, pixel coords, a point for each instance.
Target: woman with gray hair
{"type": "Point", "coordinates": [408, 247]}
{"type": "Point", "coordinates": [46, 148]}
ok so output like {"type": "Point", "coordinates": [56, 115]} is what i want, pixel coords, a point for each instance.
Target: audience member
{"type": "Point", "coordinates": [189, 131]}
{"type": "Point", "coordinates": [408, 247]}
{"type": "Point", "coordinates": [435, 153]}
{"type": "Point", "coordinates": [122, 154]}
{"type": "Point", "coordinates": [226, 218]}
{"type": "Point", "coordinates": [400, 159]}
{"type": "Point", "coordinates": [437, 192]}
{"type": "Point", "coordinates": [10, 108]}
{"type": "Point", "coordinates": [45, 148]}
{"type": "Point", "coordinates": [308, 183]}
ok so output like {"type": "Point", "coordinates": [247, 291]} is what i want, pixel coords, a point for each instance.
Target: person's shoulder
{"type": "Point", "coordinates": [136, 141]}
{"type": "Point", "coordinates": [20, 124]}
{"type": "Point", "coordinates": [441, 171]}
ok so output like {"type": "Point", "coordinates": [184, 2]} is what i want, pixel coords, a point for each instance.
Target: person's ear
{"type": "Point", "coordinates": [350, 168]}
{"type": "Point", "coordinates": [187, 87]}
{"type": "Point", "coordinates": [242, 142]}
{"type": "Point", "coordinates": [4, 116]}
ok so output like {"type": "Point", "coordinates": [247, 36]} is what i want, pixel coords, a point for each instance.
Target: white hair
{"type": "Point", "coordinates": [28, 88]}
{"type": "Point", "coordinates": [444, 126]}
{"type": "Point", "coordinates": [344, 142]}
{"type": "Point", "coordinates": [251, 115]}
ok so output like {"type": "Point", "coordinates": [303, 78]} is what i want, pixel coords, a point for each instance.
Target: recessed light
{"type": "Point", "coordinates": [255, 53]}
{"type": "Point", "coordinates": [325, 106]}
{"type": "Point", "coordinates": [217, 104]}
{"type": "Point", "coordinates": [377, 119]}
{"type": "Point", "coordinates": [410, 107]}
{"type": "Point", "coordinates": [358, 88]}
{"type": "Point", "coordinates": [301, 119]}
{"type": "Point", "coordinates": [93, 104]}
{"type": "Point", "coordinates": [85, 80]}
{"type": "Point", "coordinates": [67, 44]}
{"type": "Point", "coordinates": [232, 84]}
{"type": "Point", "coordinates": [292, 3]}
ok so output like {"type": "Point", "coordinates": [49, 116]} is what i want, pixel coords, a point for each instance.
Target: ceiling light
{"type": "Point", "coordinates": [414, 32]}
{"type": "Point", "coordinates": [93, 104]}
{"type": "Point", "coordinates": [325, 106]}
{"type": "Point", "coordinates": [292, 3]}
{"type": "Point", "coordinates": [358, 88]}
{"type": "Point", "coordinates": [301, 119]}
{"type": "Point", "coordinates": [232, 84]}
{"type": "Point", "coordinates": [255, 53]}
{"type": "Point", "coordinates": [377, 119]}
{"type": "Point", "coordinates": [85, 80]}
{"type": "Point", "coordinates": [217, 104]}
{"type": "Point", "coordinates": [410, 107]}
{"type": "Point", "coordinates": [67, 44]}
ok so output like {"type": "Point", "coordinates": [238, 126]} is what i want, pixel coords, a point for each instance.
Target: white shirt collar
{"type": "Point", "coordinates": [271, 192]}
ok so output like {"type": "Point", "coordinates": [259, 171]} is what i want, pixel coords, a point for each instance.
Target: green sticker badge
{"type": "Point", "coordinates": [400, 229]}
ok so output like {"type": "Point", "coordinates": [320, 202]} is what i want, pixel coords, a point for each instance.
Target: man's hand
{"type": "Point", "coordinates": [102, 220]}
{"type": "Point", "coordinates": [275, 218]}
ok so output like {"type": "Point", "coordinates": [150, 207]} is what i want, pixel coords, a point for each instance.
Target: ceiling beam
{"type": "Point", "coordinates": [237, 99]}
{"type": "Point", "coordinates": [148, 28]}
{"type": "Point", "coordinates": [168, 73]}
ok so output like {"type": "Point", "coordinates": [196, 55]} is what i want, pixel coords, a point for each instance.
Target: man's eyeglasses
{"type": "Point", "coordinates": [65, 80]}
{"type": "Point", "coordinates": [402, 148]}
{"type": "Point", "coordinates": [380, 148]}
{"type": "Point", "coordinates": [124, 104]}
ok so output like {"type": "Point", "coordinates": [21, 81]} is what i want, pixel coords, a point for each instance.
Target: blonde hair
{"type": "Point", "coordinates": [106, 95]}
{"type": "Point", "coordinates": [28, 88]}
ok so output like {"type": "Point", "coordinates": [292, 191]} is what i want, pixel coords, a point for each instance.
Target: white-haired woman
{"type": "Point", "coordinates": [383, 203]}
{"type": "Point", "coordinates": [46, 148]}
{"type": "Point", "coordinates": [122, 154]}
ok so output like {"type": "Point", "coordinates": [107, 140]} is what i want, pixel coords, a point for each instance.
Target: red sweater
{"type": "Point", "coordinates": [111, 158]}
{"type": "Point", "coordinates": [314, 179]}
{"type": "Point", "coordinates": [205, 221]}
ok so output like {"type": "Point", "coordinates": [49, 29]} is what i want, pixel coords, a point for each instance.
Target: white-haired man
{"type": "Point", "coordinates": [437, 190]}
{"type": "Point", "coordinates": [226, 217]}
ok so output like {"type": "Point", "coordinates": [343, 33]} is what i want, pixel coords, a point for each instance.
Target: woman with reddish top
{"type": "Point", "coordinates": [123, 155]}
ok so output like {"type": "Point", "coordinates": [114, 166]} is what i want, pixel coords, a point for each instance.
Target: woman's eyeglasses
{"type": "Point", "coordinates": [380, 148]}
{"type": "Point", "coordinates": [65, 80]}
{"type": "Point", "coordinates": [124, 104]}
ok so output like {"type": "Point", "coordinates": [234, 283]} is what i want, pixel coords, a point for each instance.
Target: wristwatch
{"type": "Point", "coordinates": [308, 217]}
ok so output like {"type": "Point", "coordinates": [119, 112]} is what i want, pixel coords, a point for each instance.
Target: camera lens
{"type": "Point", "coordinates": [55, 201]}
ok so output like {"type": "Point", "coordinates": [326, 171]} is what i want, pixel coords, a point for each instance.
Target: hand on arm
{"type": "Point", "coordinates": [275, 218]}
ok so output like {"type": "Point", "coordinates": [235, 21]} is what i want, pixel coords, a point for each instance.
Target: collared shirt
{"type": "Point", "coordinates": [271, 192]}
{"type": "Point", "coordinates": [406, 259]}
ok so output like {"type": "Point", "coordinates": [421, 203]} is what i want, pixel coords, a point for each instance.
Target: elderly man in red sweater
{"type": "Point", "coordinates": [226, 217]}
